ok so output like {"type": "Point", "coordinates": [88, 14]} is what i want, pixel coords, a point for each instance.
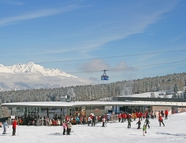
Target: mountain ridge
{"type": "Point", "coordinates": [31, 76]}
{"type": "Point", "coordinates": [33, 68]}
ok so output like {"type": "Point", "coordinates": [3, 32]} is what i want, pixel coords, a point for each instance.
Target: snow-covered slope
{"type": "Point", "coordinates": [4, 69]}
{"type": "Point", "coordinates": [34, 76]}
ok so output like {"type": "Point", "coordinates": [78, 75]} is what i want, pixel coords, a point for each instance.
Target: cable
{"type": "Point", "coordinates": [142, 66]}
{"type": "Point", "coordinates": [151, 53]}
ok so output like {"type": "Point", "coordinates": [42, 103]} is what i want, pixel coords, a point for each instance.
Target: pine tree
{"type": "Point", "coordinates": [175, 88]}
{"type": "Point", "coordinates": [1, 111]}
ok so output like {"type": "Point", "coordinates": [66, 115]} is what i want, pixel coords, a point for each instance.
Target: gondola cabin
{"type": "Point", "coordinates": [104, 76]}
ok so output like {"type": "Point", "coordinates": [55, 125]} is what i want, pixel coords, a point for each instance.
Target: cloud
{"type": "Point", "coordinates": [36, 14]}
{"type": "Point", "coordinates": [122, 66]}
{"type": "Point", "coordinates": [11, 2]}
{"type": "Point", "coordinates": [94, 65]}
{"type": "Point", "coordinates": [99, 65]}
{"type": "Point", "coordinates": [31, 81]}
{"type": "Point", "coordinates": [95, 35]}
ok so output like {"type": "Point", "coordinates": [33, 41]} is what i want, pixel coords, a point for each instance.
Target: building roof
{"type": "Point", "coordinates": [93, 103]}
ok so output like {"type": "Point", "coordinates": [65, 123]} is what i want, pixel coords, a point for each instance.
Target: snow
{"type": "Point", "coordinates": [174, 131]}
{"type": "Point", "coordinates": [37, 69]}
{"type": "Point", "coordinates": [94, 103]}
{"type": "Point", "coordinates": [4, 69]}
{"type": "Point", "coordinates": [34, 76]}
{"type": "Point", "coordinates": [158, 94]}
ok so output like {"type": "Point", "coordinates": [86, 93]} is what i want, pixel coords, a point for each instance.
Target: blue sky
{"type": "Point", "coordinates": [131, 39]}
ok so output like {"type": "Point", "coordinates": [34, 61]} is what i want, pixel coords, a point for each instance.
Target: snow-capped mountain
{"type": "Point", "coordinates": [36, 69]}
{"type": "Point", "coordinates": [34, 76]}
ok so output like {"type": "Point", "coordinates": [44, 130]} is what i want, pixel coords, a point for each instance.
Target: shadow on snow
{"type": "Point", "coordinates": [176, 134]}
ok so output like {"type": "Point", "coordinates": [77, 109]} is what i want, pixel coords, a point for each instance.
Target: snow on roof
{"type": "Point", "coordinates": [93, 103]}
{"type": "Point", "coordinates": [180, 92]}
{"type": "Point", "coordinates": [160, 94]}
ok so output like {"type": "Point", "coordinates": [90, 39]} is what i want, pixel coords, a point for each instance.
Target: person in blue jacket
{"type": "Point", "coordinates": [5, 125]}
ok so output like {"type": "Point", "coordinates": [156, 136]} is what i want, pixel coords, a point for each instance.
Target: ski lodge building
{"type": "Point", "coordinates": [120, 104]}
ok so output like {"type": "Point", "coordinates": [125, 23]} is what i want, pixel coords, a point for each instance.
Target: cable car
{"type": "Point", "coordinates": [104, 76]}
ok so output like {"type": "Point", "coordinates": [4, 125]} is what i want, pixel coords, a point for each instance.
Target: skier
{"type": "Point", "coordinates": [137, 114]}
{"type": "Point", "coordinates": [14, 123]}
{"type": "Point", "coordinates": [147, 122]}
{"type": "Point", "coordinates": [166, 114]}
{"type": "Point", "coordinates": [64, 127]}
{"type": "Point", "coordinates": [161, 121]}
{"type": "Point", "coordinates": [140, 115]}
{"type": "Point", "coordinates": [152, 115]}
{"type": "Point", "coordinates": [147, 114]}
{"type": "Point", "coordinates": [69, 126]}
{"type": "Point", "coordinates": [4, 127]}
{"type": "Point", "coordinates": [89, 120]}
{"type": "Point", "coordinates": [77, 120]}
{"type": "Point", "coordinates": [139, 124]}
{"type": "Point", "coordinates": [103, 121]}
{"type": "Point", "coordinates": [119, 117]}
{"type": "Point", "coordinates": [124, 116]}
{"type": "Point", "coordinates": [129, 121]}
{"type": "Point", "coordinates": [162, 113]}
{"type": "Point", "coordinates": [134, 116]}
{"type": "Point", "coordinates": [155, 114]}
{"type": "Point", "coordinates": [144, 129]}
{"type": "Point", "coordinates": [93, 120]}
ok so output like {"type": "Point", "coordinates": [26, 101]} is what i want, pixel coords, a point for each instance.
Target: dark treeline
{"type": "Point", "coordinates": [172, 82]}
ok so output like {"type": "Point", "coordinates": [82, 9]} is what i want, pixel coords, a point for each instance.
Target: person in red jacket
{"type": "Point", "coordinates": [161, 121]}
{"type": "Point", "coordinates": [14, 124]}
{"type": "Point", "coordinates": [122, 117]}
{"type": "Point", "coordinates": [166, 114]}
{"type": "Point", "coordinates": [119, 117]}
{"type": "Point", "coordinates": [137, 115]}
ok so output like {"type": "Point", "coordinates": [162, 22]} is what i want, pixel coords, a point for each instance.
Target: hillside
{"type": "Point", "coordinates": [171, 83]}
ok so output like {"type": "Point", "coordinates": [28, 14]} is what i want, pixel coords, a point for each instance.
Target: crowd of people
{"type": "Point", "coordinates": [139, 116]}
{"type": "Point", "coordinates": [92, 120]}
